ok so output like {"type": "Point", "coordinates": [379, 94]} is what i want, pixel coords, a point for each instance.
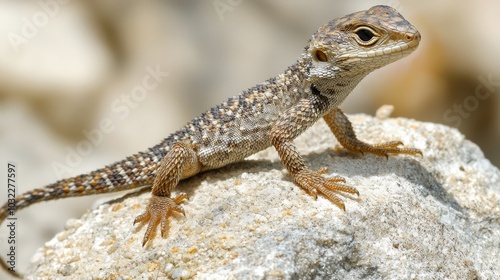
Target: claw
{"type": "Point", "coordinates": [340, 205]}
{"type": "Point", "coordinates": [179, 209]}
{"type": "Point", "coordinates": [140, 218]}
{"type": "Point", "coordinates": [313, 193]}
{"type": "Point", "coordinates": [413, 151]}
{"type": "Point", "coordinates": [180, 197]}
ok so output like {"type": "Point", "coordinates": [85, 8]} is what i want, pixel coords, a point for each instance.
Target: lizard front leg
{"type": "Point", "coordinates": [342, 129]}
{"type": "Point", "coordinates": [290, 124]}
{"type": "Point", "coordinates": [180, 162]}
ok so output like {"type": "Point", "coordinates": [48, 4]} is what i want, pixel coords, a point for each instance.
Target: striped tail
{"type": "Point", "coordinates": [133, 172]}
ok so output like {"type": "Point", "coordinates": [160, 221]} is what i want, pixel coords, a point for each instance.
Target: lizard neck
{"type": "Point", "coordinates": [335, 88]}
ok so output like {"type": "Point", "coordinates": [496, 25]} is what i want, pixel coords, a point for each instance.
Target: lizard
{"type": "Point", "coordinates": [273, 113]}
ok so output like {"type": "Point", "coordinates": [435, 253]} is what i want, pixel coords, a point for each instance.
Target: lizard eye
{"type": "Point", "coordinates": [365, 36]}
{"type": "Point", "coordinates": [321, 56]}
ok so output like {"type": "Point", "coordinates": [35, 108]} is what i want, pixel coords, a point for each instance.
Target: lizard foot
{"type": "Point", "coordinates": [384, 149]}
{"type": "Point", "coordinates": [158, 211]}
{"type": "Point", "coordinates": [313, 183]}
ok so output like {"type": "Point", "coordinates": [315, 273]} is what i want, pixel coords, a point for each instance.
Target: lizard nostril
{"type": "Point", "coordinates": [411, 37]}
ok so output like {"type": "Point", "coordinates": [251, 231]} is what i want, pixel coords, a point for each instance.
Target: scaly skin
{"type": "Point", "coordinates": [339, 55]}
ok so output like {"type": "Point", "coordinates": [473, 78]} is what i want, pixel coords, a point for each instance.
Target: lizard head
{"type": "Point", "coordinates": [352, 46]}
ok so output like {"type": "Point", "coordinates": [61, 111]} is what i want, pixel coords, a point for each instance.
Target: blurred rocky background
{"type": "Point", "coordinates": [85, 83]}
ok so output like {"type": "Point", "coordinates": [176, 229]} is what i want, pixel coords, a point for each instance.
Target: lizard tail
{"type": "Point", "coordinates": [133, 172]}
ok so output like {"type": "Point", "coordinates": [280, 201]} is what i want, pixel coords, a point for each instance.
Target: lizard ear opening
{"type": "Point", "coordinates": [320, 56]}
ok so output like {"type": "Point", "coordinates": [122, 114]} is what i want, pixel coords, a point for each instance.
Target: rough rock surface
{"type": "Point", "coordinates": [436, 217]}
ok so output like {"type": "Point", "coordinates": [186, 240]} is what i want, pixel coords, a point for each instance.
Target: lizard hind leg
{"type": "Point", "coordinates": [180, 162]}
